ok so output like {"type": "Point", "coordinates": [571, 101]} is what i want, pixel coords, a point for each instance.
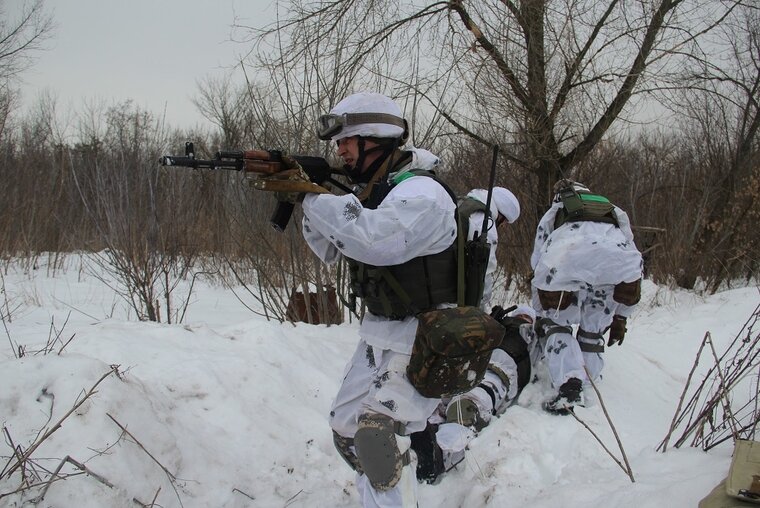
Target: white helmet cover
{"type": "Point", "coordinates": [503, 202]}
{"type": "Point", "coordinates": [368, 102]}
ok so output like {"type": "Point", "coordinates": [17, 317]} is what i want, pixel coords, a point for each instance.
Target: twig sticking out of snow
{"type": "Point", "coordinates": [79, 466]}
{"type": "Point", "coordinates": [709, 417]}
{"type": "Point", "coordinates": [172, 477]}
{"type": "Point", "coordinates": [627, 467]}
{"type": "Point", "coordinates": [23, 457]}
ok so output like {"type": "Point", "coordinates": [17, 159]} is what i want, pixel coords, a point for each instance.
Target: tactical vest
{"type": "Point", "coordinates": [578, 206]}
{"type": "Point", "coordinates": [420, 284]}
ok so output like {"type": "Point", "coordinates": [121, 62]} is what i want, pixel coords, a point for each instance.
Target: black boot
{"type": "Point", "coordinates": [429, 455]}
{"type": "Point", "coordinates": [570, 395]}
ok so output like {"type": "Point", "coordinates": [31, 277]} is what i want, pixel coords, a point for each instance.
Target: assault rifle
{"type": "Point", "coordinates": [273, 170]}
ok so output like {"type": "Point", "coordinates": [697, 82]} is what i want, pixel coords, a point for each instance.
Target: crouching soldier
{"type": "Point", "coordinates": [587, 274]}
{"type": "Point", "coordinates": [441, 446]}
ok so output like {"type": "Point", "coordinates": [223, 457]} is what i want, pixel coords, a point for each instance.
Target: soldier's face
{"type": "Point", "coordinates": [348, 150]}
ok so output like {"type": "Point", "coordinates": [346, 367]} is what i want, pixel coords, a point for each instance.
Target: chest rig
{"type": "Point", "coordinates": [420, 284]}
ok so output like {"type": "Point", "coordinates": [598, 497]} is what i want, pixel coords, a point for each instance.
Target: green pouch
{"type": "Point", "coordinates": [717, 498]}
{"type": "Point", "coordinates": [452, 349]}
{"type": "Point", "coordinates": [743, 480]}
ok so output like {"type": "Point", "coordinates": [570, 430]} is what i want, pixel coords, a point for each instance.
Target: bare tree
{"type": "Point", "coordinates": [144, 219]}
{"type": "Point", "coordinates": [547, 79]}
{"type": "Point", "coordinates": [22, 35]}
{"type": "Point", "coordinates": [720, 119]}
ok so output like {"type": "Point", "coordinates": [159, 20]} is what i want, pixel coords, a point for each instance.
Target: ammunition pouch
{"type": "Point", "coordinates": [403, 290]}
{"type": "Point", "coordinates": [628, 293]}
{"type": "Point", "coordinates": [559, 300]}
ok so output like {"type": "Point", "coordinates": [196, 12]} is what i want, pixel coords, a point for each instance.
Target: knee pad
{"type": "Point", "coordinates": [627, 293]}
{"type": "Point", "coordinates": [546, 327]}
{"type": "Point", "coordinates": [590, 342]}
{"type": "Point", "coordinates": [559, 300]}
{"type": "Point", "coordinates": [344, 445]}
{"type": "Point", "coordinates": [377, 450]}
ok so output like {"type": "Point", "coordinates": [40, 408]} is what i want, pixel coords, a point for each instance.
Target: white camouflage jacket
{"type": "Point", "coordinates": [581, 253]}
{"type": "Point", "coordinates": [415, 219]}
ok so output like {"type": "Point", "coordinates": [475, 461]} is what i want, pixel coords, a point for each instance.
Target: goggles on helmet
{"type": "Point", "coordinates": [331, 125]}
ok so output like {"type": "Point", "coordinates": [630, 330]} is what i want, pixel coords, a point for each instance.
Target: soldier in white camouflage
{"type": "Point", "coordinates": [397, 234]}
{"type": "Point", "coordinates": [587, 280]}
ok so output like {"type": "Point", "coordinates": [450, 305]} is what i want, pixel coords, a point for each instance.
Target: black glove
{"type": "Point", "coordinates": [617, 330]}
{"type": "Point", "coordinates": [499, 313]}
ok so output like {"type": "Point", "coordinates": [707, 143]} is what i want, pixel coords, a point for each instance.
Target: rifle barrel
{"type": "Point", "coordinates": [192, 162]}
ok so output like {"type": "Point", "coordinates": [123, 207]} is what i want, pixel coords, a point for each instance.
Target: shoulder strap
{"type": "Point", "coordinates": [469, 205]}
{"type": "Point", "coordinates": [429, 173]}
{"type": "Point", "coordinates": [379, 175]}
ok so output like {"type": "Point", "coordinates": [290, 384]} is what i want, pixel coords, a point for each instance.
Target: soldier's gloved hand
{"type": "Point", "coordinates": [293, 172]}
{"type": "Point", "coordinates": [294, 169]}
{"type": "Point", "coordinates": [499, 313]}
{"type": "Point", "coordinates": [617, 330]}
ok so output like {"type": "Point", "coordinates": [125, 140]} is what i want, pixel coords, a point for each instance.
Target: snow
{"type": "Point", "coordinates": [229, 410]}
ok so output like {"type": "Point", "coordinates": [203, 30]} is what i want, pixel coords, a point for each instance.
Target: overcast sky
{"type": "Point", "coordinates": [151, 51]}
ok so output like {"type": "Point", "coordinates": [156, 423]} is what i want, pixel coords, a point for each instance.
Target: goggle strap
{"type": "Point", "coordinates": [362, 118]}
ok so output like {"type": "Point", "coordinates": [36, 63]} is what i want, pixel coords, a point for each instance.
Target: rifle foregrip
{"type": "Point", "coordinates": [281, 216]}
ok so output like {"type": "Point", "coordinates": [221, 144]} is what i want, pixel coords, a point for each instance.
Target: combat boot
{"type": "Point", "coordinates": [570, 395]}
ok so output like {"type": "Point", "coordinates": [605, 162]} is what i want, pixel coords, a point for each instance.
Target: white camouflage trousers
{"type": "Point", "coordinates": [591, 310]}
{"type": "Point", "coordinates": [375, 382]}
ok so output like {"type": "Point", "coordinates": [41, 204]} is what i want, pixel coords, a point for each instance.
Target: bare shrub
{"type": "Point", "coordinates": [718, 408]}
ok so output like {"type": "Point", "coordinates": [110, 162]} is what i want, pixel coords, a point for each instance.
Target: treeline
{"type": "Point", "coordinates": [693, 201]}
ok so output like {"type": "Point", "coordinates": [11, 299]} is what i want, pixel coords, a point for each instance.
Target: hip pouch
{"type": "Point", "coordinates": [451, 350]}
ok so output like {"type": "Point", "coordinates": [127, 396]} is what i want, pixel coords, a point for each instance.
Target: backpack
{"type": "Point", "coordinates": [580, 205]}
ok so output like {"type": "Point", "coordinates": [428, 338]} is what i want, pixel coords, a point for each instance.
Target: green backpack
{"type": "Point", "coordinates": [581, 205]}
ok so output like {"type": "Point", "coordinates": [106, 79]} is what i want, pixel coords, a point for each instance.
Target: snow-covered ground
{"type": "Point", "coordinates": [229, 410]}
